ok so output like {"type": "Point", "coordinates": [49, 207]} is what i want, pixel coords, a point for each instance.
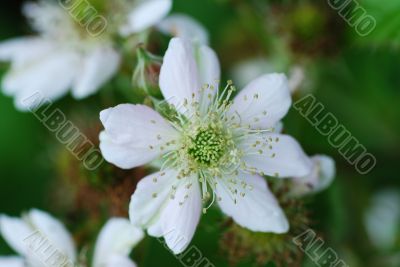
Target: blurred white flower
{"type": "Point", "coordinates": [250, 69]}
{"type": "Point", "coordinates": [320, 178]}
{"type": "Point", "coordinates": [296, 78]}
{"type": "Point", "coordinates": [185, 27]}
{"type": "Point", "coordinates": [382, 219]}
{"type": "Point", "coordinates": [115, 241]}
{"type": "Point", "coordinates": [145, 14]}
{"type": "Point", "coordinates": [247, 70]}
{"type": "Point", "coordinates": [213, 148]}
{"type": "Point", "coordinates": [65, 55]}
{"type": "Point", "coordinates": [16, 230]}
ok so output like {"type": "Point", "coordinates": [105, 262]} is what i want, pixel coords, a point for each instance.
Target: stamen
{"type": "Point", "coordinates": [208, 146]}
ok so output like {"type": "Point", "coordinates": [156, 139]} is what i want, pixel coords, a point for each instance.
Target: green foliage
{"type": "Point", "coordinates": [387, 33]}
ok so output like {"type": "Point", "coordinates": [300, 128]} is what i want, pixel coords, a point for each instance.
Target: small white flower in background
{"type": "Point", "coordinates": [185, 27]}
{"type": "Point", "coordinates": [212, 149]}
{"type": "Point", "coordinates": [247, 70]}
{"type": "Point", "coordinates": [144, 14]}
{"type": "Point", "coordinates": [250, 69]}
{"type": "Point", "coordinates": [16, 230]}
{"type": "Point", "coordinates": [296, 78]}
{"type": "Point", "coordinates": [115, 241]}
{"type": "Point", "coordinates": [64, 55]}
{"type": "Point", "coordinates": [382, 219]}
{"type": "Point", "coordinates": [320, 178]}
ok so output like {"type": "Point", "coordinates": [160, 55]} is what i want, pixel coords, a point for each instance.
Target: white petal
{"type": "Point", "coordinates": [116, 240]}
{"type": "Point", "coordinates": [15, 231]}
{"type": "Point", "coordinates": [296, 78]}
{"type": "Point", "coordinates": [263, 102]}
{"type": "Point", "coordinates": [321, 176]}
{"type": "Point", "coordinates": [11, 262]}
{"type": "Point", "coordinates": [118, 261]}
{"type": "Point", "coordinates": [179, 218]}
{"type": "Point", "coordinates": [98, 67]}
{"type": "Point", "coordinates": [327, 170]}
{"type": "Point", "coordinates": [46, 17]}
{"type": "Point", "coordinates": [134, 135]}
{"type": "Point", "coordinates": [24, 49]}
{"type": "Point", "coordinates": [151, 193]}
{"type": "Point", "coordinates": [278, 128]}
{"type": "Point", "coordinates": [208, 65]}
{"type": "Point", "coordinates": [275, 155]}
{"type": "Point", "coordinates": [257, 209]}
{"type": "Point", "coordinates": [179, 79]}
{"type": "Point", "coordinates": [145, 14]}
{"type": "Point", "coordinates": [54, 231]}
{"type": "Point", "coordinates": [183, 26]}
{"type": "Point", "coordinates": [51, 77]}
{"type": "Point", "coordinates": [209, 73]}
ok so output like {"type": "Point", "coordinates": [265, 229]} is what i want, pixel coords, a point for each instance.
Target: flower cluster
{"type": "Point", "coordinates": [37, 235]}
{"type": "Point", "coordinates": [211, 143]}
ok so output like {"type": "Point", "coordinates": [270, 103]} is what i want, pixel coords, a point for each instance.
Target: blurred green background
{"type": "Point", "coordinates": [356, 78]}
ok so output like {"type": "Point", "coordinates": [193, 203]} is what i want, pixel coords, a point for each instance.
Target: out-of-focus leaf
{"type": "Point", "coordinates": [387, 30]}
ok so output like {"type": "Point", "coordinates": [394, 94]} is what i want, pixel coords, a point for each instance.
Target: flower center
{"type": "Point", "coordinates": [208, 146]}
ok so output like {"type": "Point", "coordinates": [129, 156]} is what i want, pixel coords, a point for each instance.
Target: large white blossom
{"type": "Point", "coordinates": [112, 248]}
{"type": "Point", "coordinates": [65, 55]}
{"type": "Point", "coordinates": [213, 149]}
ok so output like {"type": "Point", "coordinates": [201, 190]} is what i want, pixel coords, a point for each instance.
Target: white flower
{"type": "Point", "coordinates": [213, 149]}
{"type": "Point", "coordinates": [382, 219]}
{"type": "Point", "coordinates": [115, 241]}
{"type": "Point", "coordinates": [145, 14]}
{"type": "Point", "coordinates": [65, 55]}
{"type": "Point", "coordinates": [250, 69]}
{"type": "Point", "coordinates": [320, 178]}
{"type": "Point", "coordinates": [185, 27]}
